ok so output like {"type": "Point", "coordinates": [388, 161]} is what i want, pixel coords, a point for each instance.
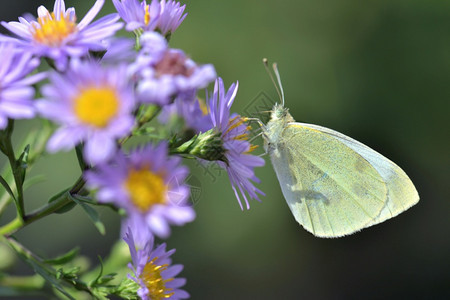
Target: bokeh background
{"type": "Point", "coordinates": [378, 71]}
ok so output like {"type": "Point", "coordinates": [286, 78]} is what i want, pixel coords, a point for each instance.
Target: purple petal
{"type": "Point", "coordinates": [91, 14]}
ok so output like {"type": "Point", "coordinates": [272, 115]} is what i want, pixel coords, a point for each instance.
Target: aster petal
{"type": "Point", "coordinates": [180, 215]}
{"type": "Point", "coordinates": [43, 11]}
{"type": "Point", "coordinates": [3, 121]}
{"type": "Point", "coordinates": [52, 110]}
{"type": "Point", "coordinates": [20, 109]}
{"type": "Point", "coordinates": [121, 126]}
{"type": "Point", "coordinates": [181, 294]}
{"type": "Point", "coordinates": [64, 139]}
{"type": "Point", "coordinates": [59, 8]}
{"type": "Point", "coordinates": [176, 282]}
{"type": "Point", "coordinates": [99, 147]}
{"type": "Point", "coordinates": [101, 29]}
{"type": "Point", "coordinates": [8, 55]}
{"type": "Point", "coordinates": [158, 225]}
{"type": "Point", "coordinates": [128, 238]}
{"type": "Point", "coordinates": [20, 64]}
{"type": "Point", "coordinates": [70, 12]}
{"type": "Point", "coordinates": [253, 161]}
{"type": "Point", "coordinates": [133, 25]}
{"type": "Point", "coordinates": [153, 43]}
{"type": "Point", "coordinates": [95, 9]}
{"type": "Point", "coordinates": [120, 8]}
{"type": "Point", "coordinates": [32, 79]}
{"type": "Point", "coordinates": [25, 21]}
{"type": "Point", "coordinates": [172, 271]}
{"type": "Point", "coordinates": [18, 29]}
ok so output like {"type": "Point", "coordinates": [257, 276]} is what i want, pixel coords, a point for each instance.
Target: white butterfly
{"type": "Point", "coordinates": [333, 184]}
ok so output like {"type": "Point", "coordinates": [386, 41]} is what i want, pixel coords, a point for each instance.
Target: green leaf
{"type": "Point", "coordinates": [23, 158]}
{"type": "Point", "coordinates": [143, 131]}
{"type": "Point", "coordinates": [39, 267]}
{"type": "Point", "coordinates": [70, 274]}
{"type": "Point", "coordinates": [69, 206]}
{"type": "Point", "coordinates": [5, 137]}
{"type": "Point", "coordinates": [127, 289]}
{"type": "Point", "coordinates": [7, 188]}
{"type": "Point", "coordinates": [81, 162]}
{"type": "Point", "coordinates": [33, 180]}
{"type": "Point", "coordinates": [92, 213]}
{"type": "Point", "coordinates": [65, 258]}
{"type": "Point", "coordinates": [100, 273]}
{"type": "Point", "coordinates": [107, 278]}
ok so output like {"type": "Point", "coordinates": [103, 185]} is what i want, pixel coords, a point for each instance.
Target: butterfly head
{"type": "Point", "coordinates": [280, 113]}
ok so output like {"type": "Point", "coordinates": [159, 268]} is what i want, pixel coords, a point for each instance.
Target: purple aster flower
{"type": "Point", "coordinates": [149, 185]}
{"type": "Point", "coordinates": [171, 16]}
{"type": "Point", "coordinates": [153, 271]}
{"type": "Point", "coordinates": [119, 50]}
{"type": "Point", "coordinates": [193, 111]}
{"type": "Point", "coordinates": [162, 16]}
{"type": "Point", "coordinates": [92, 104]}
{"type": "Point", "coordinates": [164, 73]}
{"type": "Point", "coordinates": [234, 132]}
{"type": "Point", "coordinates": [57, 35]}
{"type": "Point", "coordinates": [16, 91]}
{"type": "Point", "coordinates": [138, 15]}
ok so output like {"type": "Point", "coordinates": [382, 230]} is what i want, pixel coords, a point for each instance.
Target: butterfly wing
{"type": "Point", "coordinates": [335, 185]}
{"type": "Point", "coordinates": [401, 191]}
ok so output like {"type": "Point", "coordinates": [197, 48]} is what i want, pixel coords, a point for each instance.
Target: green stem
{"type": "Point", "coordinates": [145, 115]}
{"type": "Point", "coordinates": [37, 139]}
{"type": "Point", "coordinates": [138, 33]}
{"type": "Point", "coordinates": [8, 150]}
{"type": "Point", "coordinates": [81, 162]}
{"type": "Point", "coordinates": [47, 270]}
{"type": "Point", "coordinates": [33, 282]}
{"type": "Point", "coordinates": [55, 205]}
{"type": "Point", "coordinates": [11, 226]}
{"type": "Point", "coordinates": [46, 210]}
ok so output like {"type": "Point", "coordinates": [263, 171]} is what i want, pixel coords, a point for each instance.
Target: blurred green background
{"type": "Point", "coordinates": [378, 71]}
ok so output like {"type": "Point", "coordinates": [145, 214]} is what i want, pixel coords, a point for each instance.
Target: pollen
{"type": "Point", "coordinates": [151, 276]}
{"type": "Point", "coordinates": [53, 31]}
{"type": "Point", "coordinates": [203, 106]}
{"type": "Point", "coordinates": [145, 188]}
{"type": "Point", "coordinates": [147, 15]}
{"type": "Point", "coordinates": [234, 123]}
{"type": "Point", "coordinates": [251, 149]}
{"type": "Point", "coordinates": [97, 106]}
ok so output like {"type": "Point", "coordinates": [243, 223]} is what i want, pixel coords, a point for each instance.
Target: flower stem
{"type": "Point", "coordinates": [37, 139]}
{"type": "Point", "coordinates": [17, 168]}
{"type": "Point", "coordinates": [145, 115]}
{"type": "Point", "coordinates": [12, 226]}
{"type": "Point", "coordinates": [62, 200]}
{"type": "Point", "coordinates": [33, 282]}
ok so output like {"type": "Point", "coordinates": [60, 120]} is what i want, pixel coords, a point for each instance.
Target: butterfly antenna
{"type": "Point", "coordinates": [277, 74]}
{"type": "Point", "coordinates": [266, 66]}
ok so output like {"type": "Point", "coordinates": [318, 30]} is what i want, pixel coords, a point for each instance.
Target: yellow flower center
{"type": "Point", "coordinates": [96, 106]}
{"type": "Point", "coordinates": [151, 275]}
{"type": "Point", "coordinates": [203, 106]}
{"type": "Point", "coordinates": [235, 123]}
{"type": "Point", "coordinates": [53, 32]}
{"type": "Point", "coordinates": [147, 15]}
{"type": "Point", "coordinates": [145, 188]}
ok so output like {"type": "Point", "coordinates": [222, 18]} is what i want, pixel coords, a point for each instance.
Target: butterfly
{"type": "Point", "coordinates": [333, 184]}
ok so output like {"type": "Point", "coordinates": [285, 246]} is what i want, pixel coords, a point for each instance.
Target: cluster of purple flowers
{"type": "Point", "coordinates": [97, 104]}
